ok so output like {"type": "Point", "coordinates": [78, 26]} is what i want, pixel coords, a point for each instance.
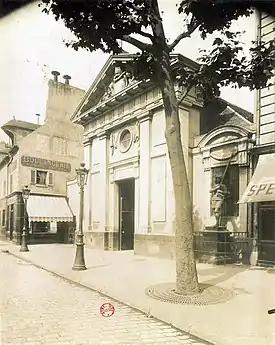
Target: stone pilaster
{"type": "Point", "coordinates": [144, 174]}
{"type": "Point", "coordinates": [88, 187]}
{"type": "Point", "coordinates": [104, 179]}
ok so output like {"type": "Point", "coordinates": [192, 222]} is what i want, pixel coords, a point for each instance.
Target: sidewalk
{"type": "Point", "coordinates": [124, 276]}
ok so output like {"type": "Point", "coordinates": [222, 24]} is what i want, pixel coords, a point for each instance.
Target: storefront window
{"type": "Point", "coordinates": [40, 227]}
{"type": "Point", "coordinates": [3, 217]}
{"type": "Point", "coordinates": [231, 180]}
{"type": "Point", "coordinates": [53, 227]}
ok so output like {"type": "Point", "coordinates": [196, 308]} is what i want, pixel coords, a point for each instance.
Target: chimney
{"type": "Point", "coordinates": [38, 115]}
{"type": "Point", "coordinates": [67, 78]}
{"type": "Point", "coordinates": [55, 76]}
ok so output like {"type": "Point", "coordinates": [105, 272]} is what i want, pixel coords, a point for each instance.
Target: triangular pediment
{"type": "Point", "coordinates": [115, 76]}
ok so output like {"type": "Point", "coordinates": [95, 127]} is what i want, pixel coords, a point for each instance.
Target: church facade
{"type": "Point", "coordinates": [129, 198]}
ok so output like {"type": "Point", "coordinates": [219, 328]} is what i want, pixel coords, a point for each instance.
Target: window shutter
{"type": "Point", "coordinates": [50, 181]}
{"type": "Point", "coordinates": [33, 176]}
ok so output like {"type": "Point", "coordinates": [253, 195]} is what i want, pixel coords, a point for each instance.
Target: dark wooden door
{"type": "Point", "coordinates": [267, 235]}
{"type": "Point", "coordinates": [11, 221]}
{"type": "Point", "coordinates": [127, 214]}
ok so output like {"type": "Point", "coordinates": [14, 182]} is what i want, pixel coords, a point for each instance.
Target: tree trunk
{"type": "Point", "coordinates": [186, 272]}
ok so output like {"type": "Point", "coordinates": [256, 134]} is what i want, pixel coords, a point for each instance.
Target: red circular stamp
{"type": "Point", "coordinates": [107, 309]}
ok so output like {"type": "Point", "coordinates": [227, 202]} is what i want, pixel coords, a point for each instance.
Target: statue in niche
{"type": "Point", "coordinates": [108, 93]}
{"type": "Point", "coordinates": [219, 194]}
{"type": "Point", "coordinates": [129, 79]}
{"type": "Point", "coordinates": [120, 80]}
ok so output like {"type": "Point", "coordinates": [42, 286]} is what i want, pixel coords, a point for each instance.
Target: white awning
{"type": "Point", "coordinates": [48, 209]}
{"type": "Point", "coordinates": [262, 184]}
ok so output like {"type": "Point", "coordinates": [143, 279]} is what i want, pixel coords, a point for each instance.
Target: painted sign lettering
{"type": "Point", "coordinates": [260, 189]}
{"type": "Point", "coordinates": [48, 164]}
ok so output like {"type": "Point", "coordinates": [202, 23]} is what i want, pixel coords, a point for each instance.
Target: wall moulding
{"type": "Point", "coordinates": [124, 172]}
{"type": "Point", "coordinates": [125, 162]}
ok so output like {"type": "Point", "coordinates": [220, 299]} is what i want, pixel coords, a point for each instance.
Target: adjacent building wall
{"type": "Point", "coordinates": [265, 109]}
{"type": "Point", "coordinates": [3, 200]}
{"type": "Point", "coordinates": [58, 142]}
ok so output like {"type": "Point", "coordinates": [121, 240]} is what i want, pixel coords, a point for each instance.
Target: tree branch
{"type": "Point", "coordinates": [185, 93]}
{"type": "Point", "coordinates": [145, 34]}
{"type": "Point", "coordinates": [140, 45]}
{"type": "Point", "coordinates": [192, 28]}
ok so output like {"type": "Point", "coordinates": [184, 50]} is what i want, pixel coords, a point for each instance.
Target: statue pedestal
{"type": "Point", "coordinates": [217, 246]}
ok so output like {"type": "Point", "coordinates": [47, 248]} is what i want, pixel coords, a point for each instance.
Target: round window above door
{"type": "Point", "coordinates": [125, 140]}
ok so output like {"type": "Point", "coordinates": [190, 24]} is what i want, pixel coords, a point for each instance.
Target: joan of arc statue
{"type": "Point", "coordinates": [219, 193]}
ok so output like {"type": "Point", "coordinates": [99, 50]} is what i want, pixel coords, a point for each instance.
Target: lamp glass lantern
{"type": "Point", "coordinates": [25, 193]}
{"type": "Point", "coordinates": [82, 175]}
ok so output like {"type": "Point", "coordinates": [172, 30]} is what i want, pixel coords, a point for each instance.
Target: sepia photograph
{"type": "Point", "coordinates": [137, 172]}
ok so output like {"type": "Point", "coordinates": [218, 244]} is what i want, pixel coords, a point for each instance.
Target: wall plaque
{"type": "Point", "coordinates": [41, 163]}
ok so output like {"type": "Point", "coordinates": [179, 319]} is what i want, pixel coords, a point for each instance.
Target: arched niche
{"type": "Point", "coordinates": [218, 145]}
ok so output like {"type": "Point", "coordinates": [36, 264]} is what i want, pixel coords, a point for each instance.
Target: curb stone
{"type": "Point", "coordinates": [197, 338]}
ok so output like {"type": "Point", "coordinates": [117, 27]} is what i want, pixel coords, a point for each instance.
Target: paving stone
{"type": "Point", "coordinates": [43, 309]}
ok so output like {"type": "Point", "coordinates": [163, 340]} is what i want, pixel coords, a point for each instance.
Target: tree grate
{"type": "Point", "coordinates": [209, 294]}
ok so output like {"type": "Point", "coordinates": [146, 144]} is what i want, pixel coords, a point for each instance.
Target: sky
{"type": "Point", "coordinates": [32, 45]}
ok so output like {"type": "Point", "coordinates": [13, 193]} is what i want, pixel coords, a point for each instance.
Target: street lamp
{"type": "Point", "coordinates": [25, 196]}
{"type": "Point", "coordinates": [79, 261]}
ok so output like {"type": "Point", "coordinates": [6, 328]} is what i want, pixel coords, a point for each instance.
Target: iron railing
{"type": "Point", "coordinates": [222, 248]}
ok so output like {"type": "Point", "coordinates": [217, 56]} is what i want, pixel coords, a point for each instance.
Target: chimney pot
{"type": "Point", "coordinates": [67, 79]}
{"type": "Point", "coordinates": [55, 76]}
{"type": "Point", "coordinates": [38, 115]}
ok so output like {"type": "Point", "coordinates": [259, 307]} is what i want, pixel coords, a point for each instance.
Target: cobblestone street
{"type": "Point", "coordinates": [40, 308]}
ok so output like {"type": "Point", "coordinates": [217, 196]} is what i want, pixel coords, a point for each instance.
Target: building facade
{"type": "Point", "coordinates": [44, 157]}
{"type": "Point", "coordinates": [4, 159]}
{"type": "Point", "coordinates": [260, 193]}
{"type": "Point", "coordinates": [129, 198]}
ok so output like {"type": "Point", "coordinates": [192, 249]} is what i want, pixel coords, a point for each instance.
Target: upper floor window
{"type": "Point", "coordinates": [125, 140]}
{"type": "Point", "coordinates": [41, 177]}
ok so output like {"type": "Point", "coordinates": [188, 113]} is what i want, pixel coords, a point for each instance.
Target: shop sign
{"type": "Point", "coordinates": [41, 163]}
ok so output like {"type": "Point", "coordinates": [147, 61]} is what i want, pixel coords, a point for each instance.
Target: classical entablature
{"type": "Point", "coordinates": [224, 143]}
{"type": "Point", "coordinates": [115, 86]}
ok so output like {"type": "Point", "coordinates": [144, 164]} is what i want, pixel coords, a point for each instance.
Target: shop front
{"type": "Point", "coordinates": [50, 219]}
{"type": "Point", "coordinates": [261, 192]}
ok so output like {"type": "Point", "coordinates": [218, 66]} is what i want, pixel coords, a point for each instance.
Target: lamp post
{"type": "Point", "coordinates": [79, 262]}
{"type": "Point", "coordinates": [25, 196]}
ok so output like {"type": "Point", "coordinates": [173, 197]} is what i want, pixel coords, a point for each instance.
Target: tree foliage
{"type": "Point", "coordinates": [219, 14]}
{"type": "Point", "coordinates": [103, 24]}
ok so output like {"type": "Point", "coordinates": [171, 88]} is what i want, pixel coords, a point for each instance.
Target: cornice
{"type": "Point", "coordinates": [86, 142]}
{"type": "Point", "coordinates": [145, 116]}
{"type": "Point", "coordinates": [120, 98]}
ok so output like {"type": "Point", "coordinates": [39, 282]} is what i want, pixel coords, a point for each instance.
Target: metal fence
{"type": "Point", "coordinates": [222, 247]}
